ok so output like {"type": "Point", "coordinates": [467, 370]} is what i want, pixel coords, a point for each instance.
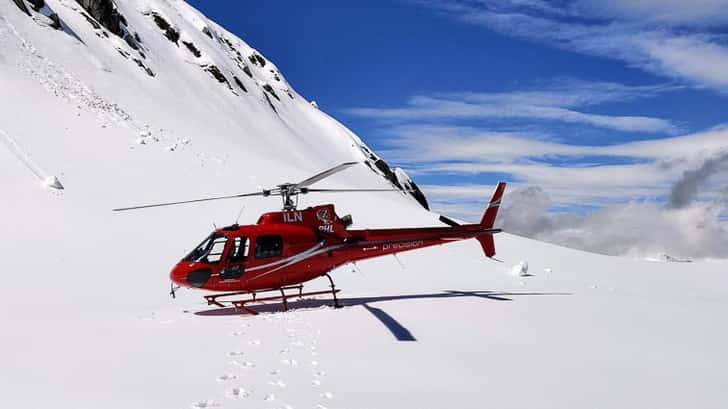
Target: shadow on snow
{"type": "Point", "coordinates": [400, 332]}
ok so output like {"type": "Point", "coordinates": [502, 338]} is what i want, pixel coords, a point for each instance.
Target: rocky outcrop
{"type": "Point", "coordinates": [39, 7]}
{"type": "Point", "coordinates": [169, 31]}
{"type": "Point", "coordinates": [106, 14]}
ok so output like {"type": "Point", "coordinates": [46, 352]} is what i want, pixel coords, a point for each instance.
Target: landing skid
{"type": "Point", "coordinates": [242, 304]}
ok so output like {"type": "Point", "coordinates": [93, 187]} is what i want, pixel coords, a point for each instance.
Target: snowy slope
{"type": "Point", "coordinates": [87, 321]}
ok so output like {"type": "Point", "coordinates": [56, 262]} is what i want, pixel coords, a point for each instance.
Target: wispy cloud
{"type": "Point", "coordinates": [556, 102]}
{"type": "Point", "coordinates": [667, 38]}
{"type": "Point", "coordinates": [634, 228]}
{"type": "Point", "coordinates": [701, 13]}
{"type": "Point", "coordinates": [639, 198]}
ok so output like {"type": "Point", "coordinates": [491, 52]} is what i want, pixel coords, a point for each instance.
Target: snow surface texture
{"type": "Point", "coordinates": [87, 321]}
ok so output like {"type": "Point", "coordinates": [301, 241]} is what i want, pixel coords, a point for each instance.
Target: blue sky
{"type": "Point", "coordinates": [594, 103]}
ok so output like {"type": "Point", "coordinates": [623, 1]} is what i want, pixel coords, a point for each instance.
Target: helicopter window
{"type": "Point", "coordinates": [210, 250]}
{"type": "Point", "coordinates": [239, 250]}
{"type": "Point", "coordinates": [268, 246]}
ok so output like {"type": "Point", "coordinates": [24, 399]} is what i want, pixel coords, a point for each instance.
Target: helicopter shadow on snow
{"type": "Point", "coordinates": [399, 331]}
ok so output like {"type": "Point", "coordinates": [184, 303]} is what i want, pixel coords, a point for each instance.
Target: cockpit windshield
{"type": "Point", "coordinates": [210, 250]}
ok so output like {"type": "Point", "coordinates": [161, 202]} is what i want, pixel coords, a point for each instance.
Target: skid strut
{"type": "Point", "coordinates": [242, 304]}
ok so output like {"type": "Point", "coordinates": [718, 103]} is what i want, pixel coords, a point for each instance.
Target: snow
{"type": "Point", "coordinates": [520, 269]}
{"type": "Point", "coordinates": [86, 314]}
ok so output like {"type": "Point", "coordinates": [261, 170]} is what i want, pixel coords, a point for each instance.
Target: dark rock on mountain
{"type": "Point", "coordinates": [256, 58]}
{"type": "Point", "coordinates": [240, 83]}
{"type": "Point", "coordinates": [270, 103]}
{"type": "Point", "coordinates": [169, 31]}
{"type": "Point", "coordinates": [105, 13]}
{"type": "Point", "coordinates": [21, 5]}
{"type": "Point", "coordinates": [190, 46]}
{"type": "Point", "coordinates": [37, 5]}
{"type": "Point", "coordinates": [270, 89]}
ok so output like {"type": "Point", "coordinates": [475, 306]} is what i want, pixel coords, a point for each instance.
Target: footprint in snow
{"type": "Point", "coordinates": [279, 383]}
{"type": "Point", "coordinates": [314, 363]}
{"type": "Point", "coordinates": [320, 373]}
{"type": "Point", "coordinates": [205, 404]}
{"type": "Point", "coordinates": [320, 406]}
{"type": "Point", "coordinates": [284, 351]}
{"type": "Point", "coordinates": [327, 395]}
{"type": "Point", "coordinates": [269, 397]}
{"type": "Point", "coordinates": [290, 362]}
{"type": "Point", "coordinates": [233, 354]}
{"type": "Point", "coordinates": [226, 377]}
{"type": "Point", "coordinates": [237, 333]}
{"type": "Point", "coordinates": [315, 383]}
{"type": "Point", "coordinates": [243, 364]}
{"type": "Point", "coordinates": [238, 393]}
{"type": "Point", "coordinates": [255, 342]}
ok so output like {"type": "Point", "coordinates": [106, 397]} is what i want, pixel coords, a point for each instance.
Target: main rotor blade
{"type": "Point", "coordinates": [325, 174]}
{"type": "Point", "coordinates": [191, 201]}
{"type": "Point", "coordinates": [351, 190]}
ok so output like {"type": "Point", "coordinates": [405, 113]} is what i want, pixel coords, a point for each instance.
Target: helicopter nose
{"type": "Point", "coordinates": [183, 275]}
{"type": "Point", "coordinates": [178, 275]}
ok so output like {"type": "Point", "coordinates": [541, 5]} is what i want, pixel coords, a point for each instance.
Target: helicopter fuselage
{"type": "Point", "coordinates": [294, 246]}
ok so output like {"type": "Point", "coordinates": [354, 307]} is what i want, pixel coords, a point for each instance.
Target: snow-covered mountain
{"type": "Point", "coordinates": [172, 79]}
{"type": "Point", "coordinates": [147, 100]}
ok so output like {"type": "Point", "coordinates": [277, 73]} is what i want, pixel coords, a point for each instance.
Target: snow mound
{"type": "Point", "coordinates": [520, 269]}
{"type": "Point", "coordinates": [52, 182]}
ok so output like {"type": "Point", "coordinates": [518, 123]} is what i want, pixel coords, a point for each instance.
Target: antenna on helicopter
{"type": "Point", "coordinates": [287, 191]}
{"type": "Point", "coordinates": [240, 213]}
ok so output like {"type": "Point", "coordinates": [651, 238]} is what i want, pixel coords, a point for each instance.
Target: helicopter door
{"type": "Point", "coordinates": [236, 258]}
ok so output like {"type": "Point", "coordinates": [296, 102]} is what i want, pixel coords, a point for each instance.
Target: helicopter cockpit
{"type": "Point", "coordinates": [210, 250]}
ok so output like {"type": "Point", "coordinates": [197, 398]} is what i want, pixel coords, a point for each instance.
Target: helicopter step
{"type": "Point", "coordinates": [242, 304]}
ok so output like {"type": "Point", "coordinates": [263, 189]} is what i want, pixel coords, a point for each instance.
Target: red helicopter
{"type": "Point", "coordinates": [287, 248]}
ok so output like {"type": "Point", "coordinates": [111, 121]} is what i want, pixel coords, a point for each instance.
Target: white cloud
{"type": "Point", "coordinates": [471, 150]}
{"type": "Point", "coordinates": [664, 37]}
{"type": "Point", "coordinates": [642, 195]}
{"type": "Point", "coordinates": [555, 103]}
{"type": "Point", "coordinates": [636, 228]}
{"type": "Point", "coordinates": [672, 12]}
